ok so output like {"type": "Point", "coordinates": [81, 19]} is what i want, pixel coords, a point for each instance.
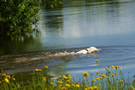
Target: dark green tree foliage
{"type": "Point", "coordinates": [18, 16]}
{"type": "Point", "coordinates": [51, 3]}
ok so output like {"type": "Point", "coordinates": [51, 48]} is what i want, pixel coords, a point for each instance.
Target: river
{"type": "Point", "coordinates": [105, 24]}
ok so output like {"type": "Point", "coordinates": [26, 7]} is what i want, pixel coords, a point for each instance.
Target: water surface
{"type": "Point", "coordinates": [108, 24]}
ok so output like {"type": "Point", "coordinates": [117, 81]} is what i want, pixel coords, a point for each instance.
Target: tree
{"type": "Point", "coordinates": [18, 16]}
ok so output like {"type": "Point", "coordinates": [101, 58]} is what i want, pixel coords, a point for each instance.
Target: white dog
{"type": "Point", "coordinates": [88, 50]}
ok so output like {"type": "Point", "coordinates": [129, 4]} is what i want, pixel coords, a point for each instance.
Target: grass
{"type": "Point", "coordinates": [112, 79]}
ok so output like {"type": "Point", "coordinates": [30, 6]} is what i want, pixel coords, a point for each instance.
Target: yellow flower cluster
{"type": "Point", "coordinates": [116, 67]}
{"type": "Point", "coordinates": [102, 75]}
{"type": "Point", "coordinates": [65, 82]}
{"type": "Point", "coordinates": [67, 76]}
{"type": "Point", "coordinates": [92, 88]}
{"type": "Point", "coordinates": [59, 81]}
{"type": "Point", "coordinates": [99, 78]}
{"type": "Point", "coordinates": [7, 78]}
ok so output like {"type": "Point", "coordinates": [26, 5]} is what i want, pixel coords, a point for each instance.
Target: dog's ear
{"type": "Point", "coordinates": [86, 49]}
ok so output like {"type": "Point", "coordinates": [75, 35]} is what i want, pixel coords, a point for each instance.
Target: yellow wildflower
{"type": "Point", "coordinates": [8, 76]}
{"type": "Point", "coordinates": [108, 77]}
{"type": "Point", "coordinates": [103, 75]}
{"type": "Point", "coordinates": [13, 79]}
{"type": "Point", "coordinates": [40, 70]}
{"type": "Point", "coordinates": [46, 67]}
{"type": "Point", "coordinates": [84, 79]}
{"type": "Point", "coordinates": [97, 78]}
{"type": "Point", "coordinates": [93, 80]}
{"type": "Point", "coordinates": [44, 78]}
{"type": "Point", "coordinates": [113, 75]}
{"type": "Point", "coordinates": [73, 85]}
{"type": "Point", "coordinates": [64, 88]}
{"type": "Point", "coordinates": [100, 74]}
{"type": "Point", "coordinates": [64, 77]}
{"type": "Point", "coordinates": [67, 85]}
{"type": "Point", "coordinates": [18, 86]}
{"type": "Point", "coordinates": [59, 82]}
{"type": "Point", "coordinates": [88, 84]}
{"type": "Point", "coordinates": [133, 88]}
{"type": "Point", "coordinates": [85, 89]}
{"type": "Point", "coordinates": [6, 80]}
{"type": "Point", "coordinates": [120, 69]}
{"type": "Point", "coordinates": [97, 60]}
{"type": "Point", "coordinates": [4, 75]}
{"type": "Point", "coordinates": [112, 67]}
{"type": "Point", "coordinates": [121, 80]}
{"type": "Point", "coordinates": [100, 77]}
{"type": "Point", "coordinates": [52, 83]}
{"type": "Point", "coordinates": [68, 80]}
{"type": "Point", "coordinates": [99, 85]}
{"type": "Point", "coordinates": [61, 67]}
{"type": "Point", "coordinates": [97, 72]}
{"type": "Point", "coordinates": [118, 82]}
{"type": "Point", "coordinates": [69, 76]}
{"type": "Point", "coordinates": [36, 69]}
{"type": "Point", "coordinates": [116, 67]}
{"type": "Point", "coordinates": [85, 74]}
{"type": "Point", "coordinates": [95, 87]}
{"type": "Point", "coordinates": [77, 85]}
{"type": "Point", "coordinates": [90, 88]}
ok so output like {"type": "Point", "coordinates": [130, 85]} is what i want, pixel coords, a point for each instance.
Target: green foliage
{"type": "Point", "coordinates": [51, 3]}
{"type": "Point", "coordinates": [18, 16]}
